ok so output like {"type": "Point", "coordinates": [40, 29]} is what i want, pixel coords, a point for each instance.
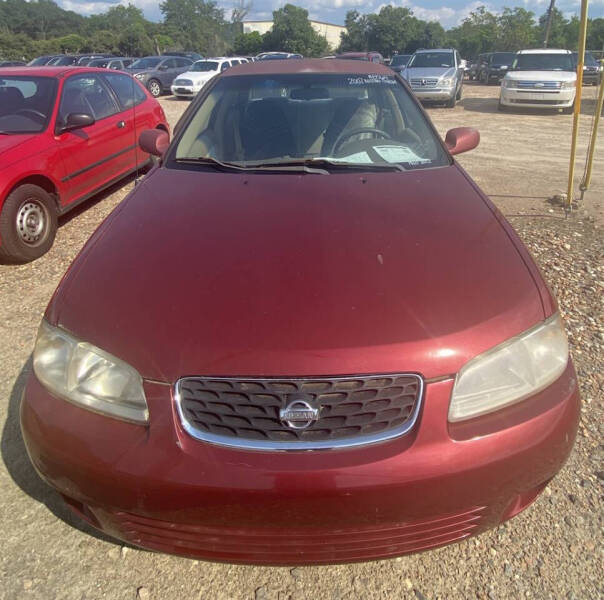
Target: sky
{"type": "Point", "coordinates": [449, 13]}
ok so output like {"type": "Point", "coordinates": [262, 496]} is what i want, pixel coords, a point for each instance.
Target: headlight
{"type": "Point", "coordinates": [446, 82]}
{"type": "Point", "coordinates": [568, 84]}
{"type": "Point", "coordinates": [139, 75]}
{"type": "Point", "coordinates": [511, 371]}
{"type": "Point", "coordinates": [509, 83]}
{"type": "Point", "coordinates": [87, 376]}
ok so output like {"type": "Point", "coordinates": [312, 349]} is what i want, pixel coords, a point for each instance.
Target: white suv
{"type": "Point", "coordinates": [540, 78]}
{"type": "Point", "coordinates": [190, 83]}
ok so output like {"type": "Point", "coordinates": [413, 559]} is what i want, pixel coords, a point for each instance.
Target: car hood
{"type": "Point", "coordinates": [541, 75]}
{"type": "Point", "coordinates": [197, 75]}
{"type": "Point", "coordinates": [298, 274]}
{"type": "Point", "coordinates": [429, 72]}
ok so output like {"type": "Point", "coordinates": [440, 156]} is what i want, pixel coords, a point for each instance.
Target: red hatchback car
{"type": "Point", "coordinates": [320, 343]}
{"type": "Point", "coordinates": [65, 134]}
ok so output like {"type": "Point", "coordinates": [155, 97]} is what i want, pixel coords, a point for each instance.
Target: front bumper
{"type": "Point", "coordinates": [185, 90]}
{"type": "Point", "coordinates": [158, 488]}
{"type": "Point", "coordinates": [562, 98]}
{"type": "Point", "coordinates": [434, 94]}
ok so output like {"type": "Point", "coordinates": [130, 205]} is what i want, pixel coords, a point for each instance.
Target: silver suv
{"type": "Point", "coordinates": [436, 75]}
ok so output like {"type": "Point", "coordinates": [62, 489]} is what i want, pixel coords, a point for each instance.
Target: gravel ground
{"type": "Point", "coordinates": [552, 550]}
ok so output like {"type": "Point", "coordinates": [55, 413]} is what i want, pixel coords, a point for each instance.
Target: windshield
{"type": "Point", "coordinates": [359, 121]}
{"type": "Point", "coordinates": [431, 59]}
{"type": "Point", "coordinates": [543, 62]}
{"type": "Point", "coordinates": [503, 58]}
{"type": "Point", "coordinates": [99, 62]}
{"type": "Point", "coordinates": [26, 103]}
{"type": "Point", "coordinates": [41, 60]}
{"type": "Point", "coordinates": [205, 65]}
{"type": "Point", "coordinates": [399, 59]}
{"type": "Point", "coordinates": [589, 61]}
{"type": "Point", "coordinates": [63, 61]}
{"type": "Point", "coordinates": [145, 63]}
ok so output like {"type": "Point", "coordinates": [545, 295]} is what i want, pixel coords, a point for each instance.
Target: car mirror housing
{"type": "Point", "coordinates": [154, 141]}
{"type": "Point", "coordinates": [76, 121]}
{"type": "Point", "coordinates": [462, 139]}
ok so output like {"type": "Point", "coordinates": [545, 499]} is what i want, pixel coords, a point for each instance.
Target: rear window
{"type": "Point", "coordinates": [205, 66]}
{"type": "Point", "coordinates": [146, 63]}
{"type": "Point", "coordinates": [127, 90]}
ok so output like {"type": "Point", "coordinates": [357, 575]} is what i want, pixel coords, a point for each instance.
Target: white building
{"type": "Point", "coordinates": [329, 31]}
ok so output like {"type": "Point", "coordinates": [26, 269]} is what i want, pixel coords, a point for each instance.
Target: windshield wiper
{"type": "Point", "coordinates": [335, 164]}
{"type": "Point", "coordinates": [288, 166]}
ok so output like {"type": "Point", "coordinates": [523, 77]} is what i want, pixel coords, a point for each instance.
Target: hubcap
{"type": "Point", "coordinates": [154, 89]}
{"type": "Point", "coordinates": [31, 222]}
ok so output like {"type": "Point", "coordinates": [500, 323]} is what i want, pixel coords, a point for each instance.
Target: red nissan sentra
{"type": "Point", "coordinates": [306, 337]}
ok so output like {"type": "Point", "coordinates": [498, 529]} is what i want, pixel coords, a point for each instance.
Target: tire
{"type": "Point", "coordinates": [502, 107]}
{"type": "Point", "coordinates": [569, 110]}
{"type": "Point", "coordinates": [154, 87]}
{"type": "Point", "coordinates": [452, 102]}
{"type": "Point", "coordinates": [459, 93]}
{"type": "Point", "coordinates": [28, 224]}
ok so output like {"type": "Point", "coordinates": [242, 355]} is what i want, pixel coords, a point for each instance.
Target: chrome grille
{"type": "Point", "coordinates": [423, 82]}
{"type": "Point", "coordinates": [183, 82]}
{"type": "Point", "coordinates": [245, 412]}
{"type": "Point", "coordinates": [539, 85]}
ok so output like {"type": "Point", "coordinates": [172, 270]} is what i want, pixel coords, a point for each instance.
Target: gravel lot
{"type": "Point", "coordinates": [552, 550]}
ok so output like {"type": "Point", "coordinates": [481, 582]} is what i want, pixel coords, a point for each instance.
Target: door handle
{"type": "Point", "coordinates": [121, 124]}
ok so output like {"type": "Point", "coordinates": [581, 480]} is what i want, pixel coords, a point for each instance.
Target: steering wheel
{"type": "Point", "coordinates": [348, 134]}
{"type": "Point", "coordinates": [31, 111]}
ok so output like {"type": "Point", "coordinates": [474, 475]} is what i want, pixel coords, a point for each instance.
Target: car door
{"type": "Point", "coordinates": [182, 65]}
{"type": "Point", "coordinates": [165, 72]}
{"type": "Point", "coordinates": [91, 156]}
{"type": "Point", "coordinates": [136, 118]}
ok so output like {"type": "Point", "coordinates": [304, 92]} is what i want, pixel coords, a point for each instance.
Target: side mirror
{"type": "Point", "coordinates": [76, 121]}
{"type": "Point", "coordinates": [154, 141]}
{"type": "Point", "coordinates": [462, 139]}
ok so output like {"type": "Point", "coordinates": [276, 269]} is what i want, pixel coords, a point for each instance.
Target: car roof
{"type": "Point", "coordinates": [434, 50]}
{"type": "Point", "coordinates": [307, 66]}
{"type": "Point", "coordinates": [544, 51]}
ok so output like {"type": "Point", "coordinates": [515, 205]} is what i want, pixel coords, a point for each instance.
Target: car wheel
{"type": "Point", "coordinates": [502, 107]}
{"type": "Point", "coordinates": [569, 110]}
{"type": "Point", "coordinates": [459, 93]}
{"type": "Point", "coordinates": [154, 87]}
{"type": "Point", "coordinates": [452, 102]}
{"type": "Point", "coordinates": [28, 224]}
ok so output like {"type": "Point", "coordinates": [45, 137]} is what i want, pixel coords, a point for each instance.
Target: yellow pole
{"type": "Point", "coordinates": [573, 145]}
{"type": "Point", "coordinates": [594, 135]}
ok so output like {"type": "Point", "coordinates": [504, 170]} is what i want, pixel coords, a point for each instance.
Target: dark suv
{"type": "Point", "coordinates": [157, 73]}
{"type": "Point", "coordinates": [494, 67]}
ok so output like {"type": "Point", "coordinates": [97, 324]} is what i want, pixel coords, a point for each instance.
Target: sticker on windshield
{"type": "Point", "coordinates": [358, 158]}
{"type": "Point", "coordinates": [371, 79]}
{"type": "Point", "coordinates": [400, 154]}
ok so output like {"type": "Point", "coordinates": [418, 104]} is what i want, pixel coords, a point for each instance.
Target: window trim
{"type": "Point", "coordinates": [102, 83]}
{"type": "Point", "coordinates": [115, 94]}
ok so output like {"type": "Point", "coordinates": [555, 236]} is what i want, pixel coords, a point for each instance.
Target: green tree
{"type": "Point", "coordinates": [393, 29]}
{"type": "Point", "coordinates": [430, 35]}
{"type": "Point", "coordinates": [517, 29]}
{"type": "Point", "coordinates": [356, 36]}
{"type": "Point", "coordinates": [477, 33]}
{"type": "Point", "coordinates": [197, 24]}
{"type": "Point", "coordinates": [292, 32]}
{"type": "Point", "coordinates": [595, 34]}
{"type": "Point", "coordinates": [558, 32]}
{"type": "Point", "coordinates": [134, 41]}
{"type": "Point", "coordinates": [248, 44]}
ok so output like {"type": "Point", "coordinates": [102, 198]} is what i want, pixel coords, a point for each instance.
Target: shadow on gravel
{"type": "Point", "coordinates": [489, 105]}
{"type": "Point", "coordinates": [21, 470]}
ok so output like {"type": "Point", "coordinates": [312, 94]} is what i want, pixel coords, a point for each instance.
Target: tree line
{"type": "Point", "coordinates": [32, 28]}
